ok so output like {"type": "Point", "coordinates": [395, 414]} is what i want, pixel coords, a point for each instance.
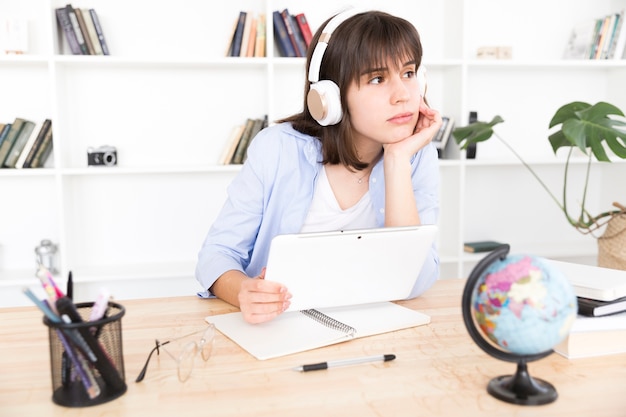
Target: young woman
{"type": "Point", "coordinates": [358, 156]}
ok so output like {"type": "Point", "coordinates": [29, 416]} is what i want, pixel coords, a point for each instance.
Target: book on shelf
{"type": "Point", "coordinates": [91, 32]}
{"type": "Point", "coordinates": [43, 151]}
{"type": "Point", "coordinates": [83, 29]}
{"type": "Point", "coordinates": [251, 128]}
{"type": "Point", "coordinates": [281, 37]}
{"type": "Point", "coordinates": [79, 34]}
{"type": "Point", "coordinates": [594, 336]}
{"type": "Point", "coordinates": [247, 31]}
{"type": "Point", "coordinates": [597, 308]}
{"type": "Point", "coordinates": [481, 246]}
{"type": "Point", "coordinates": [26, 158]}
{"type": "Point", "coordinates": [231, 145]}
{"type": "Point", "coordinates": [28, 145]}
{"type": "Point", "coordinates": [235, 48]}
{"type": "Point", "coordinates": [99, 32]}
{"type": "Point", "coordinates": [298, 331]}
{"type": "Point", "coordinates": [305, 29]}
{"type": "Point", "coordinates": [295, 37]}
{"type": "Point", "coordinates": [9, 139]}
{"type": "Point", "coordinates": [4, 131]}
{"type": "Point", "coordinates": [18, 144]}
{"type": "Point", "coordinates": [599, 38]}
{"type": "Point", "coordinates": [618, 49]}
{"type": "Point", "coordinates": [259, 44]}
{"type": "Point", "coordinates": [64, 22]}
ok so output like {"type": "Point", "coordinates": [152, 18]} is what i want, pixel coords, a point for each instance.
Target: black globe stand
{"type": "Point", "coordinates": [520, 388]}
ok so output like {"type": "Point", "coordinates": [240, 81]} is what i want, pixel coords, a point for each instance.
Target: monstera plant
{"type": "Point", "coordinates": [597, 130]}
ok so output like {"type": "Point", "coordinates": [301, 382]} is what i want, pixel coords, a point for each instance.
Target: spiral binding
{"type": "Point", "coordinates": [329, 322]}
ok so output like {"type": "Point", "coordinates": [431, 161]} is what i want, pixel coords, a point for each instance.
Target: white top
{"type": "Point", "coordinates": [326, 215]}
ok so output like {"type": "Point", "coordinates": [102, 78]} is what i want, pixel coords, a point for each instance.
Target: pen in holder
{"type": "Point", "coordinates": [86, 358]}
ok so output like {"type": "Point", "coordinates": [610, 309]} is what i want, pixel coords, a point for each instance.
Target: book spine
{"type": "Point", "coordinates": [79, 34]}
{"type": "Point", "coordinates": [91, 30]}
{"type": "Point", "coordinates": [4, 132]}
{"type": "Point", "coordinates": [28, 161]}
{"type": "Point", "coordinates": [65, 24]}
{"type": "Point", "coordinates": [252, 38]}
{"type": "Point", "coordinates": [620, 40]}
{"type": "Point", "coordinates": [83, 29]}
{"type": "Point", "coordinates": [99, 32]}
{"type": "Point", "coordinates": [238, 38]}
{"type": "Point", "coordinates": [30, 143]}
{"type": "Point", "coordinates": [259, 50]}
{"type": "Point", "coordinates": [8, 142]}
{"type": "Point", "coordinates": [305, 29]}
{"type": "Point", "coordinates": [281, 37]}
{"type": "Point", "coordinates": [44, 151]}
{"type": "Point", "coordinates": [18, 144]}
{"type": "Point", "coordinates": [292, 33]}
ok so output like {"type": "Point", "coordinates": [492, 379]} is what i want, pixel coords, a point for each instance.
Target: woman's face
{"type": "Point", "coordinates": [384, 107]}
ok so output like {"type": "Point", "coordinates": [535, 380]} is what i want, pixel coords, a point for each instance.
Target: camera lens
{"type": "Point", "coordinates": [109, 159]}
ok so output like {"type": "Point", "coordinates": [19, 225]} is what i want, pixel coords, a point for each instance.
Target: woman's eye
{"type": "Point", "coordinates": [376, 80]}
{"type": "Point", "coordinates": [409, 74]}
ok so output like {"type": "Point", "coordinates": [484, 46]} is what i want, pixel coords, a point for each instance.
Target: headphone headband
{"type": "Point", "coordinates": [322, 43]}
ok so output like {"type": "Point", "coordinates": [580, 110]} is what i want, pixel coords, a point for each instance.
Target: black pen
{"type": "Point", "coordinates": [344, 362]}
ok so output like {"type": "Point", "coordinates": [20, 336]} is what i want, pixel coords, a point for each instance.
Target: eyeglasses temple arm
{"type": "Point", "coordinates": [142, 374]}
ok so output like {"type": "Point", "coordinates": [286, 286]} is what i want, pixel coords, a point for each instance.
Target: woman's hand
{"type": "Point", "coordinates": [427, 126]}
{"type": "Point", "coordinates": [261, 300]}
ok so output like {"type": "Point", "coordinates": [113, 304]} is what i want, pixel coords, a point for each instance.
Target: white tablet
{"type": "Point", "coordinates": [330, 269]}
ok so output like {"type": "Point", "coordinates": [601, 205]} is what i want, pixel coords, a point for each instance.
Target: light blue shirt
{"type": "Point", "coordinates": [272, 193]}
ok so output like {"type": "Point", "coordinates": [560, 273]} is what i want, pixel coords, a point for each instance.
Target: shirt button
{"type": "Point", "coordinates": [382, 210]}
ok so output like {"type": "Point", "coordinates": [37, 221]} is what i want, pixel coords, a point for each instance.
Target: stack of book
{"type": "Point", "coordinates": [82, 30]}
{"type": "Point", "coordinates": [292, 33]}
{"type": "Point", "coordinates": [24, 143]}
{"type": "Point", "coordinates": [600, 327]}
{"type": "Point", "coordinates": [239, 140]}
{"type": "Point", "coordinates": [600, 38]}
{"type": "Point", "coordinates": [248, 35]}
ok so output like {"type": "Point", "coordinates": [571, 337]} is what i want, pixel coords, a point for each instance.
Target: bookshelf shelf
{"type": "Point", "coordinates": [167, 98]}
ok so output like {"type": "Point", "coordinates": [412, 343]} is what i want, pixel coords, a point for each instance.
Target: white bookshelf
{"type": "Point", "coordinates": [167, 99]}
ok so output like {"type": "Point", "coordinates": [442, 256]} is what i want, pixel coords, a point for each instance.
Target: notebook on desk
{"type": "Point", "coordinates": [329, 269]}
{"type": "Point", "coordinates": [341, 285]}
{"type": "Point", "coordinates": [299, 331]}
{"type": "Point", "coordinates": [593, 282]}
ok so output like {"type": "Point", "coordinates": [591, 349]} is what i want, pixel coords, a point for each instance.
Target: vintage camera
{"type": "Point", "coordinates": [102, 156]}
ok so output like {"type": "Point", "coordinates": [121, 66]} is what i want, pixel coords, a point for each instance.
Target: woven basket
{"type": "Point", "coordinates": [612, 244]}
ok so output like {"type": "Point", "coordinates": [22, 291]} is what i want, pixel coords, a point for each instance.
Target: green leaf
{"type": "Point", "coordinates": [475, 132]}
{"type": "Point", "coordinates": [587, 126]}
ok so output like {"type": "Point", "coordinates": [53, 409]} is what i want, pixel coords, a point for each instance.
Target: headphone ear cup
{"type": "Point", "coordinates": [421, 79]}
{"type": "Point", "coordinates": [324, 102]}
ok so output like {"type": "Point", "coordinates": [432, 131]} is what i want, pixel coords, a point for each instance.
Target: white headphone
{"type": "Point", "coordinates": [324, 98]}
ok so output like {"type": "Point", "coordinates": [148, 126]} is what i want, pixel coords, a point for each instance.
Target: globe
{"type": "Point", "coordinates": [517, 308]}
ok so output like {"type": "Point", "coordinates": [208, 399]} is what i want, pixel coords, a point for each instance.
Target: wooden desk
{"type": "Point", "coordinates": [438, 371]}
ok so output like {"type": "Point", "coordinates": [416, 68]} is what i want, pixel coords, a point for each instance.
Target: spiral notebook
{"type": "Point", "coordinates": [298, 331]}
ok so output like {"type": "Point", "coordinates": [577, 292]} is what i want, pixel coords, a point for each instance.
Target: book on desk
{"type": "Point", "coordinates": [600, 327]}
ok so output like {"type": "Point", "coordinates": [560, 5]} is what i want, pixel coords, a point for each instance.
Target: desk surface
{"type": "Point", "coordinates": [438, 371]}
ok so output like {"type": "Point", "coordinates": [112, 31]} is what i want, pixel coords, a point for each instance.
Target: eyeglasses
{"type": "Point", "coordinates": [188, 352]}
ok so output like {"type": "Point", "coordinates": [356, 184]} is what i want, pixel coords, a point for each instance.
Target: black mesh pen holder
{"type": "Point", "coordinates": [86, 358]}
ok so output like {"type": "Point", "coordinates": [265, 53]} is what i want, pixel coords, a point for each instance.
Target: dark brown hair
{"type": "Point", "coordinates": [364, 41]}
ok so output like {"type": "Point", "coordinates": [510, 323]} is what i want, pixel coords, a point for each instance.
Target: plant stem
{"type": "Point", "coordinates": [545, 187]}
